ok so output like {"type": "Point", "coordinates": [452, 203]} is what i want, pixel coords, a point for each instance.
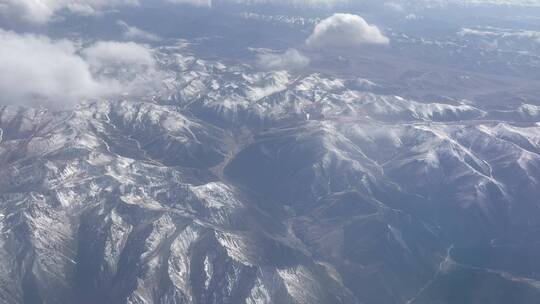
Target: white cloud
{"type": "Point", "coordinates": [291, 59]}
{"type": "Point", "coordinates": [41, 11]}
{"type": "Point", "coordinates": [134, 33]}
{"type": "Point", "coordinates": [36, 69]}
{"type": "Point", "coordinates": [345, 30]}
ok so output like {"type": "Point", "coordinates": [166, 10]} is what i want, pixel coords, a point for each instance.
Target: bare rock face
{"type": "Point", "coordinates": [259, 188]}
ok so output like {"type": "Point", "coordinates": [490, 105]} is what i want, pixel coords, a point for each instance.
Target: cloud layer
{"type": "Point", "coordinates": [345, 30]}
{"type": "Point", "coordinates": [36, 69]}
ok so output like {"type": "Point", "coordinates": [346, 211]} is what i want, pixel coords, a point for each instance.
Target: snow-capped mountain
{"type": "Point", "coordinates": [231, 185]}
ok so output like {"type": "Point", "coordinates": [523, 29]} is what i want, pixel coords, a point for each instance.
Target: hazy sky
{"type": "Point", "coordinates": [34, 65]}
{"type": "Point", "coordinates": [45, 10]}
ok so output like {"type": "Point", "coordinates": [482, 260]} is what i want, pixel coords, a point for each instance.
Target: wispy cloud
{"type": "Point", "coordinates": [290, 59]}
{"type": "Point", "coordinates": [134, 33]}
